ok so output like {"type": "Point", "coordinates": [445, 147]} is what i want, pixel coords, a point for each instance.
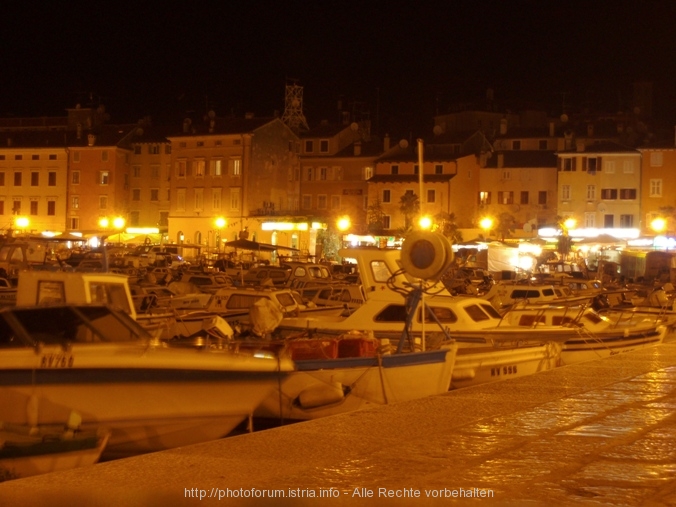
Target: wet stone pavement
{"type": "Point", "coordinates": [599, 433]}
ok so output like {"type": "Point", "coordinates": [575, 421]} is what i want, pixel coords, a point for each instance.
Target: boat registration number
{"type": "Point", "coordinates": [505, 370]}
{"type": "Point", "coordinates": [56, 361]}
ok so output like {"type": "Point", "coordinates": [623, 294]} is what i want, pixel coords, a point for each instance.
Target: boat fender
{"type": "Point", "coordinates": [321, 395]}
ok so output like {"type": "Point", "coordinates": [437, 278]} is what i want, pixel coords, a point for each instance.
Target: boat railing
{"type": "Point", "coordinates": [531, 315]}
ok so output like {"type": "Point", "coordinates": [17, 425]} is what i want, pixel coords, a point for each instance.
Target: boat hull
{"type": "Point", "coordinates": [330, 386]}
{"type": "Point", "coordinates": [158, 400]}
{"type": "Point", "coordinates": [584, 349]}
{"type": "Point", "coordinates": [485, 363]}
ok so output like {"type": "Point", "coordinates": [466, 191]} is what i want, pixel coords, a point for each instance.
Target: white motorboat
{"type": "Point", "coordinates": [96, 360]}
{"type": "Point", "coordinates": [352, 372]}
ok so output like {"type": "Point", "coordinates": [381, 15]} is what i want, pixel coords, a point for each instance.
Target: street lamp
{"type": "Point", "coordinates": [220, 222]}
{"type": "Point", "coordinates": [486, 224]}
{"type": "Point", "coordinates": [425, 222]}
{"type": "Point", "coordinates": [343, 224]}
{"type": "Point", "coordinates": [22, 223]}
{"type": "Point", "coordinates": [118, 223]}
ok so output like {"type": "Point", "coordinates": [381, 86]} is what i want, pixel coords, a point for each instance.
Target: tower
{"type": "Point", "coordinates": [293, 108]}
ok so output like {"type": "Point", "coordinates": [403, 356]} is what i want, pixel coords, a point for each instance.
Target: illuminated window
{"type": "Point", "coordinates": [75, 178]}
{"type": "Point", "coordinates": [104, 177]}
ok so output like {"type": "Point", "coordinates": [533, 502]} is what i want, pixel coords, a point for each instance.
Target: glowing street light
{"type": "Point", "coordinates": [425, 222]}
{"type": "Point", "coordinates": [343, 223]}
{"type": "Point", "coordinates": [486, 224]}
{"type": "Point", "coordinates": [659, 225]}
{"type": "Point", "coordinates": [220, 222]}
{"type": "Point", "coordinates": [118, 223]}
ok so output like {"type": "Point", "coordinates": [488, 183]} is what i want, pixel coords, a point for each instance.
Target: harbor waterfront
{"type": "Point", "coordinates": [596, 433]}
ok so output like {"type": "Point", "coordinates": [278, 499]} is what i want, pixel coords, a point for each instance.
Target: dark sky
{"type": "Point", "coordinates": [403, 61]}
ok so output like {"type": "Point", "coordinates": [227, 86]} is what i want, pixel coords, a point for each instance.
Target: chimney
{"type": "Point", "coordinates": [357, 148]}
{"type": "Point", "coordinates": [503, 126]}
{"type": "Point", "coordinates": [579, 145]}
{"type": "Point", "coordinates": [91, 139]}
{"type": "Point", "coordinates": [79, 131]}
{"type": "Point", "coordinates": [212, 123]}
{"type": "Point", "coordinates": [386, 142]}
{"type": "Point", "coordinates": [9, 141]}
{"type": "Point", "coordinates": [501, 160]}
{"type": "Point", "coordinates": [552, 129]}
{"type": "Point", "coordinates": [590, 130]}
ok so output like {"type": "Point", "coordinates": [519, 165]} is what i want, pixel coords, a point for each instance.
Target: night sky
{"type": "Point", "coordinates": [402, 62]}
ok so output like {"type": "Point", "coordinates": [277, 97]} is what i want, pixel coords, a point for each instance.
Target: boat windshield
{"type": "Point", "coordinates": [59, 325]}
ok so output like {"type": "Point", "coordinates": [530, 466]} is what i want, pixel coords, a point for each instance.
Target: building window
{"type": "Point", "coordinates": [565, 192]}
{"type": "Point", "coordinates": [104, 177]}
{"type": "Point", "coordinates": [180, 199]}
{"type": "Point", "coordinates": [134, 218]}
{"type": "Point", "coordinates": [506, 174]}
{"type": "Point", "coordinates": [431, 195]}
{"type": "Point", "coordinates": [416, 169]}
{"type": "Point", "coordinates": [155, 171]}
{"type": "Point", "coordinates": [235, 198]}
{"type": "Point", "coordinates": [74, 223]}
{"type": "Point", "coordinates": [199, 199]}
{"type": "Point", "coordinates": [321, 201]}
{"type": "Point", "coordinates": [394, 169]}
{"type": "Point", "coordinates": [167, 149]}
{"type": "Point", "coordinates": [309, 146]}
{"type": "Point", "coordinates": [609, 194]}
{"type": "Point", "coordinates": [2, 207]}
{"type": "Point", "coordinates": [236, 166]}
{"type": "Point", "coordinates": [75, 178]}
{"type": "Point", "coordinates": [368, 173]}
{"type": "Point", "coordinates": [590, 220]}
{"type": "Point", "coordinates": [35, 157]}
{"type": "Point", "coordinates": [51, 179]}
{"type": "Point", "coordinates": [387, 196]}
{"type": "Point", "coordinates": [154, 149]}
{"type": "Point", "coordinates": [516, 145]}
{"type": "Point", "coordinates": [608, 221]}
{"type": "Point", "coordinates": [542, 144]}
{"type": "Point", "coordinates": [215, 167]}
{"type": "Point", "coordinates": [75, 202]}
{"type": "Point", "coordinates": [506, 197]}
{"type": "Point", "coordinates": [17, 179]}
{"type": "Point", "coordinates": [594, 164]}
{"type": "Point", "coordinates": [591, 192]}
{"type": "Point", "coordinates": [2, 179]}
{"type": "Point", "coordinates": [656, 188]}
{"type": "Point", "coordinates": [181, 168]}
{"type": "Point", "coordinates": [566, 164]}
{"type": "Point", "coordinates": [216, 198]}
{"type": "Point", "coordinates": [154, 194]}
{"type": "Point", "coordinates": [164, 219]}
{"type": "Point", "coordinates": [656, 159]}
{"type": "Point", "coordinates": [103, 202]}
{"type": "Point", "coordinates": [51, 208]}
{"type": "Point", "coordinates": [627, 193]}
{"type": "Point", "coordinates": [34, 208]}
{"type": "Point", "coordinates": [137, 149]}
{"type": "Point", "coordinates": [484, 198]}
{"type": "Point", "coordinates": [335, 202]}
{"type": "Point", "coordinates": [307, 201]}
{"type": "Point", "coordinates": [136, 194]}
{"type": "Point", "coordinates": [609, 167]}
{"type": "Point", "coordinates": [199, 167]}
{"type": "Point", "coordinates": [439, 169]}
{"type": "Point", "coordinates": [542, 197]}
{"type": "Point", "coordinates": [323, 173]}
{"type": "Point", "coordinates": [104, 156]}
{"type": "Point", "coordinates": [52, 156]}
{"type": "Point", "coordinates": [386, 221]}
{"type": "Point", "coordinates": [324, 146]}
{"type": "Point", "coordinates": [136, 171]}
{"type": "Point", "coordinates": [76, 156]}
{"type": "Point", "coordinates": [626, 221]}
{"type": "Point", "coordinates": [35, 179]}
{"type": "Point", "coordinates": [628, 167]}
{"type": "Point", "coordinates": [16, 206]}
{"type": "Point", "coordinates": [524, 197]}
